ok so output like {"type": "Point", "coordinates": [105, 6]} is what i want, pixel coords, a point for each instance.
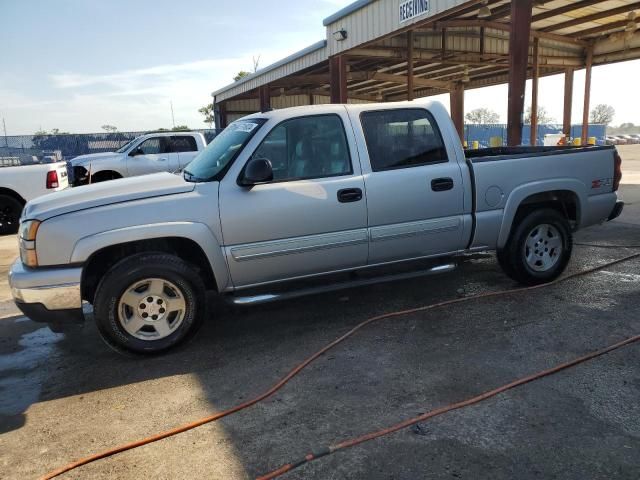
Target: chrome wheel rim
{"type": "Point", "coordinates": [151, 309]}
{"type": "Point", "coordinates": [543, 248]}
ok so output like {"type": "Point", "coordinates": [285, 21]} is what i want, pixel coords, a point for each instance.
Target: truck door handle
{"type": "Point", "coordinates": [349, 195]}
{"type": "Point", "coordinates": [441, 184]}
{"type": "Point", "coordinates": [162, 159]}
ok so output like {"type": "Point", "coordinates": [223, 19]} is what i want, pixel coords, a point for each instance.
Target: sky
{"type": "Point", "coordinates": [76, 65]}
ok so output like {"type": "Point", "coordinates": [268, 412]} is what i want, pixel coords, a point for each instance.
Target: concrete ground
{"type": "Point", "coordinates": [66, 396]}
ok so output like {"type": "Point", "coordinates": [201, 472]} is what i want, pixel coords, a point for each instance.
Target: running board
{"type": "Point", "coordinates": [273, 297]}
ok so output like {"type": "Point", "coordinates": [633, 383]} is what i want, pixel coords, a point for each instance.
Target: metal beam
{"type": "Point", "coordinates": [592, 17]}
{"type": "Point", "coordinates": [587, 96]}
{"type": "Point", "coordinates": [506, 27]}
{"type": "Point", "coordinates": [410, 82]}
{"type": "Point", "coordinates": [521, 12]}
{"type": "Point", "coordinates": [568, 102]}
{"type": "Point", "coordinates": [338, 73]}
{"type": "Point", "coordinates": [264, 94]}
{"type": "Point", "coordinates": [601, 29]}
{"type": "Point", "coordinates": [562, 10]}
{"type": "Point", "coordinates": [456, 99]}
{"type": "Point", "coordinates": [534, 92]}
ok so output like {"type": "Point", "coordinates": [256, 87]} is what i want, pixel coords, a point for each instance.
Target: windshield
{"type": "Point", "coordinates": [222, 150]}
{"type": "Point", "coordinates": [123, 148]}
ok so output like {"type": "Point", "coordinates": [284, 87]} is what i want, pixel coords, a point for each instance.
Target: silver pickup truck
{"type": "Point", "coordinates": [294, 201]}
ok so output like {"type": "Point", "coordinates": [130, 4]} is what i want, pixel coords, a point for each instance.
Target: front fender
{"type": "Point", "coordinates": [197, 232]}
{"type": "Point", "coordinates": [519, 194]}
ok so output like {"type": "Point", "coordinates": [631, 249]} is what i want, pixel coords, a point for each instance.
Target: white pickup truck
{"type": "Point", "coordinates": [20, 184]}
{"type": "Point", "coordinates": [151, 153]}
{"type": "Point", "coordinates": [307, 193]}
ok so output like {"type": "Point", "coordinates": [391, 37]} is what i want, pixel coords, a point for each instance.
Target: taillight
{"type": "Point", "coordinates": [52, 179]}
{"type": "Point", "coordinates": [617, 172]}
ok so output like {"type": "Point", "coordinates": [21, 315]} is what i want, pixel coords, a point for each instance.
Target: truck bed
{"type": "Point", "coordinates": [505, 153]}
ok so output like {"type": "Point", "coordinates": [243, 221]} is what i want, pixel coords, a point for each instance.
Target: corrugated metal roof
{"type": "Point", "coordinates": [348, 10]}
{"type": "Point", "coordinates": [240, 85]}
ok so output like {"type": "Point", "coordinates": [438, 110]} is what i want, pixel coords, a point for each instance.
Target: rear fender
{"type": "Point", "coordinates": [519, 194]}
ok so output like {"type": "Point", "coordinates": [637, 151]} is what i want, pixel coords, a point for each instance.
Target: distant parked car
{"type": "Point", "coordinates": [636, 137]}
{"type": "Point", "coordinates": [631, 140]}
{"type": "Point", "coordinates": [611, 140]}
{"type": "Point", "coordinates": [621, 139]}
{"type": "Point", "coordinates": [151, 153]}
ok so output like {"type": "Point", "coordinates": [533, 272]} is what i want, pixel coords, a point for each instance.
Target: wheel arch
{"type": "Point", "coordinates": [566, 195]}
{"type": "Point", "coordinates": [12, 193]}
{"type": "Point", "coordinates": [193, 242]}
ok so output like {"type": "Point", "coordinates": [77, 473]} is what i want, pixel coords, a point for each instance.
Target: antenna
{"type": "Point", "coordinates": [6, 140]}
{"type": "Point", "coordinates": [173, 120]}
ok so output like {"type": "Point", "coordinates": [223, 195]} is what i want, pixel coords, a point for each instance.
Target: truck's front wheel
{"type": "Point", "coordinates": [538, 249]}
{"type": "Point", "coordinates": [148, 303]}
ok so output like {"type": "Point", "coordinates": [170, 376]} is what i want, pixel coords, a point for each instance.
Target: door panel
{"type": "Point", "coordinates": [408, 219]}
{"type": "Point", "coordinates": [155, 157]}
{"type": "Point", "coordinates": [297, 227]}
{"type": "Point", "coordinates": [415, 193]}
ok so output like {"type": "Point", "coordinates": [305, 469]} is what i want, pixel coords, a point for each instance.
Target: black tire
{"type": "Point", "coordinates": [136, 268]}
{"type": "Point", "coordinates": [513, 258]}
{"type": "Point", "coordinates": [10, 211]}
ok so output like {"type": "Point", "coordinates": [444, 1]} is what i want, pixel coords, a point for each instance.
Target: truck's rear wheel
{"type": "Point", "coordinates": [10, 211]}
{"type": "Point", "coordinates": [538, 249]}
{"type": "Point", "coordinates": [148, 303]}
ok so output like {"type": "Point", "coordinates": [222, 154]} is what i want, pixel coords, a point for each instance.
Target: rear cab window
{"type": "Point", "coordinates": [402, 138]}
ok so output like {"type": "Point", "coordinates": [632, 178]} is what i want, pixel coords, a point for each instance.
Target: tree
{"type": "Point", "coordinates": [109, 128]}
{"type": "Point", "coordinates": [482, 116]}
{"type": "Point", "coordinates": [180, 128]}
{"type": "Point", "coordinates": [209, 116]}
{"type": "Point", "coordinates": [241, 74]}
{"type": "Point", "coordinates": [602, 114]}
{"type": "Point", "coordinates": [543, 116]}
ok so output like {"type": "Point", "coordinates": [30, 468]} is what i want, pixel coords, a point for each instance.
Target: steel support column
{"type": "Point", "coordinates": [534, 92]}
{"type": "Point", "coordinates": [220, 114]}
{"type": "Point", "coordinates": [410, 88]}
{"type": "Point", "coordinates": [338, 73]}
{"type": "Point", "coordinates": [264, 93]}
{"type": "Point", "coordinates": [587, 96]}
{"type": "Point", "coordinates": [456, 98]}
{"type": "Point", "coordinates": [568, 102]}
{"type": "Point", "coordinates": [518, 61]}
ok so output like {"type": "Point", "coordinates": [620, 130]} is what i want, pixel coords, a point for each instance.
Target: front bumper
{"type": "Point", "coordinates": [617, 211]}
{"type": "Point", "coordinates": [50, 295]}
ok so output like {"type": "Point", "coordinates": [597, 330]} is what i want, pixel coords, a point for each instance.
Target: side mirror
{"type": "Point", "coordinates": [258, 170]}
{"type": "Point", "coordinates": [136, 151]}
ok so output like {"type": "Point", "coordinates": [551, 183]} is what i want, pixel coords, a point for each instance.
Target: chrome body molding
{"type": "Point", "coordinates": [256, 251]}
{"type": "Point", "coordinates": [425, 227]}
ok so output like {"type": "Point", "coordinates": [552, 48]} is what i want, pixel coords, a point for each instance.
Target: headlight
{"type": "Point", "coordinates": [28, 232]}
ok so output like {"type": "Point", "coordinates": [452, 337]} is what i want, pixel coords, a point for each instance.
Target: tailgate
{"type": "Point", "coordinates": [63, 177]}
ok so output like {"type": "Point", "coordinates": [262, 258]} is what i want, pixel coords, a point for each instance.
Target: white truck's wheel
{"type": "Point", "coordinates": [148, 303]}
{"type": "Point", "coordinates": [539, 247]}
{"type": "Point", "coordinates": [10, 210]}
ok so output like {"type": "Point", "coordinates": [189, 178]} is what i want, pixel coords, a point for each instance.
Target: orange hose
{"type": "Point", "coordinates": [281, 383]}
{"type": "Point", "coordinates": [439, 411]}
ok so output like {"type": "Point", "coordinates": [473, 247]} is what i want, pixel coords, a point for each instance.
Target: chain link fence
{"type": "Point", "coordinates": [30, 149]}
{"type": "Point", "coordinates": [483, 133]}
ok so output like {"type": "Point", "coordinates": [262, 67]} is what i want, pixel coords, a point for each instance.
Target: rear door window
{"type": "Point", "coordinates": [402, 139]}
{"type": "Point", "coordinates": [183, 143]}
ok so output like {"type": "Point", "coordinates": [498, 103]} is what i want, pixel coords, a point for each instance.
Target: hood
{"type": "Point", "coordinates": [85, 159]}
{"type": "Point", "coordinates": [105, 193]}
